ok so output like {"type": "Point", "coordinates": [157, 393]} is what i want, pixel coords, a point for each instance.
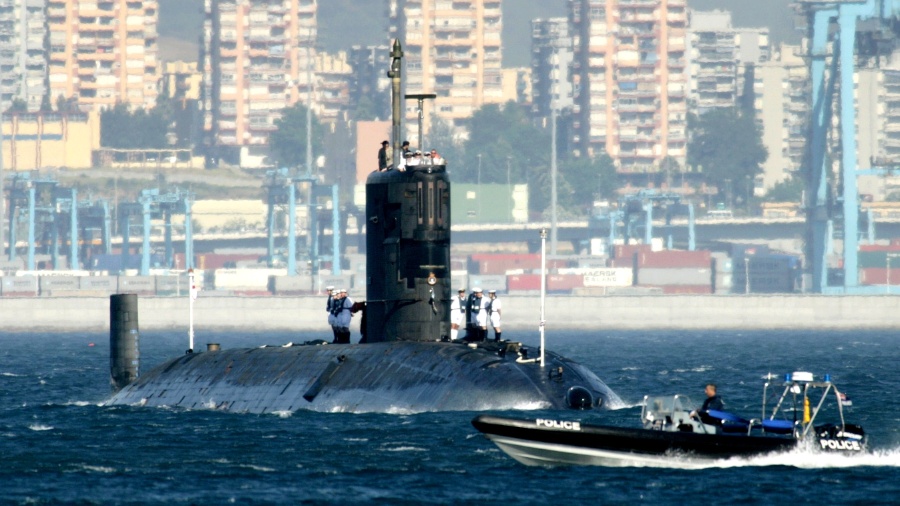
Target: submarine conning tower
{"type": "Point", "coordinates": [407, 240]}
{"type": "Point", "coordinates": [408, 254]}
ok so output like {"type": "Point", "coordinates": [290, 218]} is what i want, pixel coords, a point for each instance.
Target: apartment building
{"type": "Point", "coordinates": [719, 58]}
{"type": "Point", "coordinates": [878, 124]}
{"type": "Point", "coordinates": [369, 83]}
{"type": "Point", "coordinates": [103, 52]}
{"type": "Point", "coordinates": [452, 49]}
{"type": "Point", "coordinates": [630, 79]}
{"type": "Point", "coordinates": [782, 97]}
{"type": "Point", "coordinates": [23, 66]}
{"type": "Point", "coordinates": [332, 86]}
{"type": "Point", "coordinates": [258, 57]}
{"type": "Point", "coordinates": [551, 66]}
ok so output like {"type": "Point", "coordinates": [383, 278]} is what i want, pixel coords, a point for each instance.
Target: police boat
{"type": "Point", "coordinates": [409, 361]}
{"type": "Point", "coordinates": [672, 428]}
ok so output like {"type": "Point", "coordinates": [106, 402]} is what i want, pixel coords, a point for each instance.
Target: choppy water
{"type": "Point", "coordinates": [58, 446]}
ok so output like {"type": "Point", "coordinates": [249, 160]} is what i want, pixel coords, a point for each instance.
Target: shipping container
{"type": "Point", "coordinates": [627, 251]}
{"type": "Point", "coordinates": [501, 263]}
{"type": "Point", "coordinates": [876, 259]}
{"type": "Point", "coordinates": [674, 259]}
{"type": "Point", "coordinates": [648, 276]}
{"type": "Point", "coordinates": [609, 277]}
{"type": "Point", "coordinates": [291, 285]}
{"type": "Point", "coordinates": [687, 289]}
{"type": "Point", "coordinates": [57, 285]}
{"type": "Point", "coordinates": [488, 282]}
{"type": "Point", "coordinates": [524, 283]}
{"type": "Point", "coordinates": [213, 261]}
{"type": "Point", "coordinates": [141, 285]}
{"type": "Point", "coordinates": [98, 284]}
{"type": "Point", "coordinates": [876, 276]}
{"type": "Point", "coordinates": [175, 286]}
{"type": "Point", "coordinates": [19, 286]}
{"type": "Point", "coordinates": [563, 282]}
{"type": "Point", "coordinates": [245, 279]}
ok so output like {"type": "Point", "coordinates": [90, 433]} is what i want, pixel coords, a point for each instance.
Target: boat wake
{"type": "Point", "coordinates": [801, 458]}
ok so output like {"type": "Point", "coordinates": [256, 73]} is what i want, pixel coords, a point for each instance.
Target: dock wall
{"type": "Point", "coordinates": [22, 314]}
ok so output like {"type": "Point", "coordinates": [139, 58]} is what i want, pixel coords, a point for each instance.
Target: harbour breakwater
{"type": "Point", "coordinates": [307, 313]}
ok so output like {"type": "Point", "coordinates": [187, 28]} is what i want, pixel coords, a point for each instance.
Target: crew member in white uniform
{"type": "Point", "coordinates": [343, 319]}
{"type": "Point", "coordinates": [493, 307]}
{"type": "Point", "coordinates": [457, 313]}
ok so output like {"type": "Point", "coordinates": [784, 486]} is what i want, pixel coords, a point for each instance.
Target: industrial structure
{"type": "Point", "coordinates": [833, 203]}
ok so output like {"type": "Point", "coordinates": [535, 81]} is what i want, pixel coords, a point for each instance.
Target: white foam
{"type": "Point", "coordinates": [283, 413]}
{"type": "Point", "coordinates": [10, 375]}
{"type": "Point", "coordinates": [40, 427]}
{"type": "Point", "coordinates": [407, 449]}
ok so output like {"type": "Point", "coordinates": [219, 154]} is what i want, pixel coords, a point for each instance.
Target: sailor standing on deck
{"type": "Point", "coordinates": [329, 306]}
{"type": "Point", "coordinates": [457, 313]}
{"type": "Point", "coordinates": [344, 317]}
{"type": "Point", "coordinates": [477, 316]}
{"type": "Point", "coordinates": [493, 308]}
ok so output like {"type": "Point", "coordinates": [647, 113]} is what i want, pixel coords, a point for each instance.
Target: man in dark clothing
{"type": "Point", "coordinates": [713, 401]}
{"type": "Point", "coordinates": [404, 148]}
{"type": "Point", "coordinates": [383, 156]}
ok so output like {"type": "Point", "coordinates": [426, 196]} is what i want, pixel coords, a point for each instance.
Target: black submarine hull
{"type": "Point", "coordinates": [391, 377]}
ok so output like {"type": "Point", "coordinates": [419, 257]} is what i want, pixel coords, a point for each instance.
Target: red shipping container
{"type": "Point", "coordinates": [880, 247]}
{"type": "Point", "coordinates": [214, 261]}
{"type": "Point", "coordinates": [675, 259]}
{"type": "Point", "coordinates": [564, 282]}
{"type": "Point", "coordinates": [622, 262]}
{"type": "Point", "coordinates": [622, 251]}
{"type": "Point", "coordinates": [523, 282]}
{"type": "Point", "coordinates": [878, 276]}
{"type": "Point", "coordinates": [687, 290]}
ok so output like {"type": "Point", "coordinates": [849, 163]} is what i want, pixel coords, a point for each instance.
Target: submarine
{"type": "Point", "coordinates": [407, 364]}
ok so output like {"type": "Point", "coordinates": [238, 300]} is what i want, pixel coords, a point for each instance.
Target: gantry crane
{"type": "Point", "coordinates": [833, 29]}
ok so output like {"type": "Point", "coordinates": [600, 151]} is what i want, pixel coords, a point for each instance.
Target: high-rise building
{"type": "Point", "coordinates": [782, 96]}
{"type": "Point", "coordinates": [258, 57]}
{"type": "Point", "coordinates": [23, 63]}
{"type": "Point", "coordinates": [551, 66]}
{"type": "Point", "coordinates": [369, 84]}
{"type": "Point", "coordinates": [103, 52]}
{"type": "Point", "coordinates": [452, 49]}
{"type": "Point", "coordinates": [630, 81]}
{"type": "Point", "coordinates": [719, 58]}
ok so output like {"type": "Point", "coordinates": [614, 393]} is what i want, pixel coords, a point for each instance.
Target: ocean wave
{"type": "Point", "coordinates": [11, 375]}
{"type": "Point", "coordinates": [40, 427]}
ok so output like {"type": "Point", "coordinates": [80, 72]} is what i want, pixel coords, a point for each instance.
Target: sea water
{"type": "Point", "coordinates": [59, 445]}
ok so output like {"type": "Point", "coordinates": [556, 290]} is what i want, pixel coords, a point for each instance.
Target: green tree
{"type": "Point", "coordinates": [288, 142]}
{"type": "Point", "coordinates": [442, 138]}
{"type": "Point", "coordinates": [586, 180]}
{"type": "Point", "coordinates": [122, 129]}
{"type": "Point", "coordinates": [787, 190]}
{"type": "Point", "coordinates": [728, 146]}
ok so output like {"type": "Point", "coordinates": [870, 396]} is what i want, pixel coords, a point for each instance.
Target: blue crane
{"type": "Point", "coordinates": [833, 29]}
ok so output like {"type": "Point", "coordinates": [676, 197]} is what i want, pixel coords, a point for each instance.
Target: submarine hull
{"type": "Point", "coordinates": [392, 377]}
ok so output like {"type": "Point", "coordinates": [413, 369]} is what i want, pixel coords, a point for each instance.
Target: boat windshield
{"type": "Point", "coordinates": [666, 410]}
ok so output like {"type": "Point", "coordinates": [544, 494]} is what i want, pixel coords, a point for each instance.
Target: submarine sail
{"type": "Point", "coordinates": [408, 362]}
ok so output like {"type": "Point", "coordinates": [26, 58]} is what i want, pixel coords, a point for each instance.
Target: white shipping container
{"type": "Point", "coordinates": [618, 276]}
{"type": "Point", "coordinates": [674, 277]}
{"type": "Point", "coordinates": [250, 279]}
